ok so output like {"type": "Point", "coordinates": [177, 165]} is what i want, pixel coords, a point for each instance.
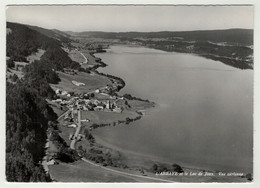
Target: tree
{"type": "Point", "coordinates": [249, 177]}
{"type": "Point", "coordinates": [177, 168]}
{"type": "Point", "coordinates": [155, 168]}
{"type": "Point", "coordinates": [10, 63]}
{"type": "Point", "coordinates": [14, 78]}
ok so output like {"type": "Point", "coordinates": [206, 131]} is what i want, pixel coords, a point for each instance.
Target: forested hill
{"type": "Point", "coordinates": [22, 41]}
{"type": "Point", "coordinates": [28, 116]}
{"type": "Point", "coordinates": [241, 36]}
{"type": "Point", "coordinates": [52, 33]}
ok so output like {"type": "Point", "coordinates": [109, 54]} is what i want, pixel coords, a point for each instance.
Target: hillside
{"type": "Point", "coordinates": [22, 41]}
{"type": "Point", "coordinates": [28, 115]}
{"type": "Point", "coordinates": [52, 33]}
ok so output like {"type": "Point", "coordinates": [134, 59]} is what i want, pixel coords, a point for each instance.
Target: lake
{"type": "Point", "coordinates": [204, 113]}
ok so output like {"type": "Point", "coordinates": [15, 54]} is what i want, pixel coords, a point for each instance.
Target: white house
{"type": "Point", "coordinates": [72, 125]}
{"type": "Point", "coordinates": [57, 91]}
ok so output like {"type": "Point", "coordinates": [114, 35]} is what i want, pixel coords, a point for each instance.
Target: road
{"type": "Point", "coordinates": [125, 173]}
{"type": "Point", "coordinates": [86, 59]}
{"type": "Point", "coordinates": [73, 142]}
{"type": "Point", "coordinates": [63, 114]}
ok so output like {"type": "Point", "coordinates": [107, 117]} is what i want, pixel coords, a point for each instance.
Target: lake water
{"type": "Point", "coordinates": [204, 116]}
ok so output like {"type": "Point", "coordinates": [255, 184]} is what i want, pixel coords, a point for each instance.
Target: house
{"type": "Point", "coordinates": [72, 125]}
{"type": "Point", "coordinates": [52, 162]}
{"type": "Point", "coordinates": [99, 107]}
{"type": "Point", "coordinates": [79, 137]}
{"type": "Point", "coordinates": [57, 100]}
{"type": "Point", "coordinates": [108, 105]}
{"type": "Point", "coordinates": [64, 93]}
{"type": "Point", "coordinates": [117, 109]}
{"type": "Point", "coordinates": [69, 71]}
{"type": "Point", "coordinates": [85, 120]}
{"type": "Point", "coordinates": [85, 108]}
{"type": "Point", "coordinates": [71, 137]}
{"type": "Point", "coordinates": [19, 65]}
{"type": "Point", "coordinates": [95, 101]}
{"type": "Point", "coordinates": [57, 91]}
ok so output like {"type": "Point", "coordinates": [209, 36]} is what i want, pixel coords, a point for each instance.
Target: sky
{"type": "Point", "coordinates": [133, 18]}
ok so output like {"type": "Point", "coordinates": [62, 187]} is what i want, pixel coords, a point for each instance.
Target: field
{"type": "Point", "coordinates": [75, 55]}
{"type": "Point", "coordinates": [91, 81]}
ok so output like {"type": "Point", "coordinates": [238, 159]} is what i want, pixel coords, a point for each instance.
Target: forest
{"type": "Point", "coordinates": [23, 41]}
{"type": "Point", "coordinates": [28, 116]}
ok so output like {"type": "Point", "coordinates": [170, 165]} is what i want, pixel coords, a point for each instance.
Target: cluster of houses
{"type": "Point", "coordinates": [98, 105]}
{"type": "Point", "coordinates": [62, 93]}
{"type": "Point", "coordinates": [111, 105]}
{"type": "Point", "coordinates": [70, 71]}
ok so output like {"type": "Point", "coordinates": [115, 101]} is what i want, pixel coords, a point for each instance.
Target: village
{"type": "Point", "coordinates": [97, 100]}
{"type": "Point", "coordinates": [74, 105]}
